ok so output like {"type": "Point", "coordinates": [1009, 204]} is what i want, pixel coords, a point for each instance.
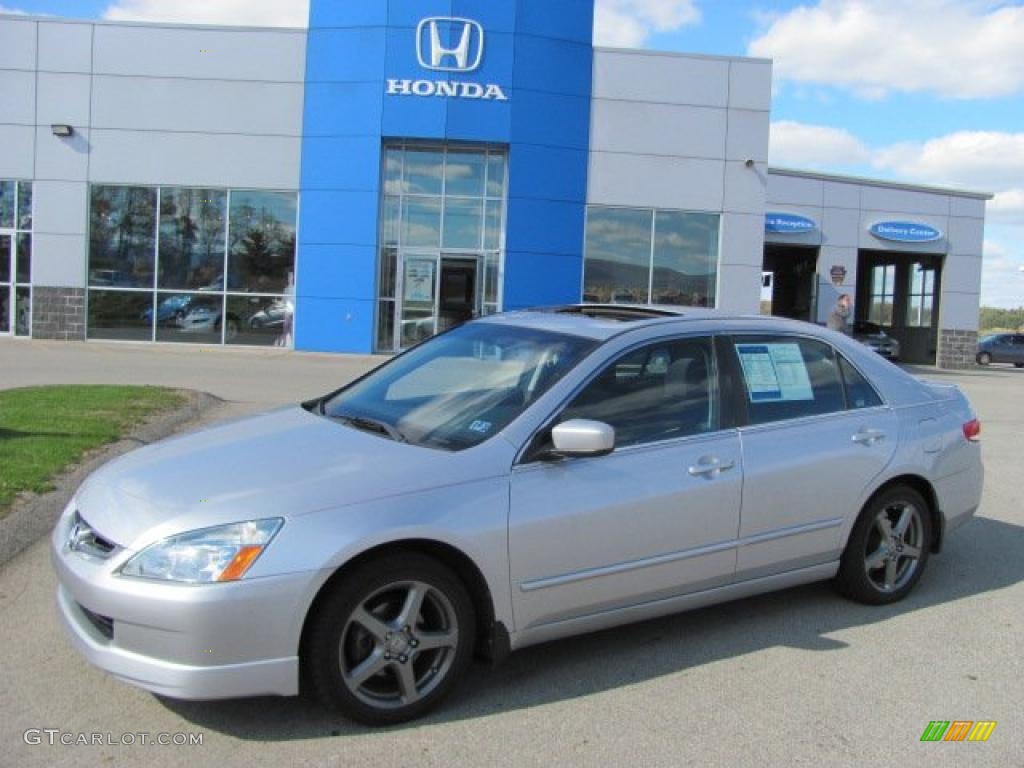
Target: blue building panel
{"type": "Point", "coordinates": [339, 271]}
{"type": "Point", "coordinates": [346, 55]}
{"type": "Point", "coordinates": [542, 279]}
{"type": "Point", "coordinates": [343, 109]}
{"type": "Point", "coordinates": [535, 53]}
{"type": "Point", "coordinates": [338, 216]}
{"type": "Point", "coordinates": [334, 325]}
{"type": "Point", "coordinates": [344, 162]}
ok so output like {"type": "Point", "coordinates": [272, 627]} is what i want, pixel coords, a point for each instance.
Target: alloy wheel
{"type": "Point", "coordinates": [894, 547]}
{"type": "Point", "coordinates": [398, 645]}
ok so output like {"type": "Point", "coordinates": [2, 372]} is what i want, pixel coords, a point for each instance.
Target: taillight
{"type": "Point", "coordinates": [972, 431]}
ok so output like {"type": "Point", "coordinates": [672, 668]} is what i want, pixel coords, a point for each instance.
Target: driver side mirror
{"type": "Point", "coordinates": [581, 438]}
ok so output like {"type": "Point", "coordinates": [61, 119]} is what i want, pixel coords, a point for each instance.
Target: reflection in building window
{"type": "Point", "coordinates": [640, 256]}
{"type": "Point", "coordinates": [190, 265]}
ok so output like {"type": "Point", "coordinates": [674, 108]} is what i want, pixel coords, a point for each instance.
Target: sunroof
{"type": "Point", "coordinates": [619, 312]}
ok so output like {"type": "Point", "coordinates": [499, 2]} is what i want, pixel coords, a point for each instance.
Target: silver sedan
{"type": "Point", "coordinates": [522, 478]}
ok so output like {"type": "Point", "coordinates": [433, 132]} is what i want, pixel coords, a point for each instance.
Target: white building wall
{"type": "Point", "coordinates": [676, 131]}
{"type": "Point", "coordinates": [150, 104]}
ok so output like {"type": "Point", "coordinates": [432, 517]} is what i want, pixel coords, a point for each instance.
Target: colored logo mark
{"type": "Point", "coordinates": [958, 730]}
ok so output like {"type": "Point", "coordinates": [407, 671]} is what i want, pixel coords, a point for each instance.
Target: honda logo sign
{"type": "Point", "coordinates": [448, 44]}
{"type": "Point", "coordinates": [465, 52]}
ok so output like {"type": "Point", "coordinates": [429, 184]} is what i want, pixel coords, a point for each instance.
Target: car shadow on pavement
{"type": "Point", "coordinates": [983, 556]}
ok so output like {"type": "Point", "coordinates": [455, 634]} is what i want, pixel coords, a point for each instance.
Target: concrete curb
{"type": "Point", "coordinates": [35, 516]}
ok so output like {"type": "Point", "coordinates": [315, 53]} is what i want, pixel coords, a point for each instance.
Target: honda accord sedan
{"type": "Point", "coordinates": [518, 479]}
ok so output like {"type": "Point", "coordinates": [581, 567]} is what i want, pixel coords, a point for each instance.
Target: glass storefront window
{"type": "Point", "coordinates": [120, 315]}
{"type": "Point", "coordinates": [205, 285]}
{"type": "Point", "coordinates": [640, 255]}
{"type": "Point", "coordinates": [15, 257]}
{"type": "Point", "coordinates": [463, 223]}
{"type": "Point", "coordinates": [685, 259]}
{"type": "Point", "coordinates": [442, 224]}
{"type": "Point", "coordinates": [193, 225]}
{"type": "Point", "coordinates": [263, 239]}
{"type": "Point", "coordinates": [618, 255]}
{"type": "Point", "coordinates": [882, 297]}
{"type": "Point", "coordinates": [8, 198]}
{"type": "Point", "coordinates": [25, 205]}
{"type": "Point", "coordinates": [122, 237]}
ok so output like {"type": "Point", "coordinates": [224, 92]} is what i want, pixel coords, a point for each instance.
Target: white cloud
{"type": "Point", "coordinates": [628, 23]}
{"type": "Point", "coordinates": [260, 13]}
{"type": "Point", "coordinates": [802, 145]}
{"type": "Point", "coordinates": [16, 11]}
{"type": "Point", "coordinates": [619, 23]}
{"type": "Point", "coordinates": [955, 48]}
{"type": "Point", "coordinates": [1002, 281]}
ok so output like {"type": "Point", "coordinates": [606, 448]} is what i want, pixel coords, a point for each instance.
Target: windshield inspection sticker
{"type": "Point", "coordinates": [774, 372]}
{"type": "Point", "coordinates": [483, 427]}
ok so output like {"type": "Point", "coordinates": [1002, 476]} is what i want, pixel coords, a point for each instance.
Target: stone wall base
{"type": "Point", "coordinates": [58, 313]}
{"type": "Point", "coordinates": [957, 349]}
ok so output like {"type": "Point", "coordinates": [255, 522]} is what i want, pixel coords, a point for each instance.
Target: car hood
{"type": "Point", "coordinates": [280, 464]}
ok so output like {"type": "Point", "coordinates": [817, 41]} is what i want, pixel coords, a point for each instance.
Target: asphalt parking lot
{"type": "Point", "coordinates": [800, 677]}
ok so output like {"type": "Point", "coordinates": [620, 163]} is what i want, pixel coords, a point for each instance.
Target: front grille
{"type": "Point", "coordinates": [82, 538]}
{"type": "Point", "coordinates": [103, 624]}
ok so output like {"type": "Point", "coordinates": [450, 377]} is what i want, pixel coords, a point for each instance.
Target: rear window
{"type": "Point", "coordinates": [788, 378]}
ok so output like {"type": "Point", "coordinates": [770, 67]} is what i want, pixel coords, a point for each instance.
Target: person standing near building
{"type": "Point", "coordinates": [839, 320]}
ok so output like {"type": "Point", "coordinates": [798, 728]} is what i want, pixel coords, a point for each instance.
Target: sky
{"type": "Point", "coordinates": [923, 91]}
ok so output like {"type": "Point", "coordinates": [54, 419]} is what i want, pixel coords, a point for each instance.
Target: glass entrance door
{"type": "Point", "coordinates": [6, 287]}
{"type": "Point", "coordinates": [436, 292]}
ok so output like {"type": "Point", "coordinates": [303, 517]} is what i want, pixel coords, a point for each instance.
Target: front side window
{"type": "Point", "coordinates": [458, 389]}
{"type": "Point", "coordinates": [645, 256]}
{"type": "Point", "coordinates": [788, 378]}
{"type": "Point", "coordinates": [659, 392]}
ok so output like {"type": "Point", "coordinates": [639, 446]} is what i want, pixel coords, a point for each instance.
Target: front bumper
{"type": "Point", "coordinates": [210, 641]}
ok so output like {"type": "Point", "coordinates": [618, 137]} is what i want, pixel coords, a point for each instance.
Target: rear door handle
{"type": "Point", "coordinates": [711, 467]}
{"type": "Point", "coordinates": [868, 436]}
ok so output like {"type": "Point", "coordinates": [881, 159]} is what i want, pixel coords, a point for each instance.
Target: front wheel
{"type": "Point", "coordinates": [985, 358]}
{"type": "Point", "coordinates": [888, 548]}
{"type": "Point", "coordinates": [391, 640]}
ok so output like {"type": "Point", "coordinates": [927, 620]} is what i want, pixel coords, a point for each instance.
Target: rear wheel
{"type": "Point", "coordinates": [985, 358]}
{"type": "Point", "coordinates": [391, 640]}
{"type": "Point", "coordinates": [1018, 365]}
{"type": "Point", "coordinates": [888, 548]}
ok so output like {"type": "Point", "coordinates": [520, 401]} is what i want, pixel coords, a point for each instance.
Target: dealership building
{"type": "Point", "coordinates": [404, 165]}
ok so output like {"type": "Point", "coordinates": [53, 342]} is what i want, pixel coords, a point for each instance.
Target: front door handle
{"type": "Point", "coordinates": [711, 467]}
{"type": "Point", "coordinates": [868, 436]}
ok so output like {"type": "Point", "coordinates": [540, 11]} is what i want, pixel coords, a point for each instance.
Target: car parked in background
{"type": "Point", "coordinates": [1001, 348]}
{"type": "Point", "coordinates": [874, 337]}
{"type": "Point", "coordinates": [520, 478]}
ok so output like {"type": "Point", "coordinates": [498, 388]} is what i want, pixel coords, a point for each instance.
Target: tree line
{"type": "Point", "coordinates": [994, 318]}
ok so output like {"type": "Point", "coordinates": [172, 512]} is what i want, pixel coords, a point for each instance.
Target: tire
{"type": "Point", "coordinates": [1018, 365]}
{"type": "Point", "coordinates": [359, 628]}
{"type": "Point", "coordinates": [984, 358]}
{"type": "Point", "coordinates": [877, 570]}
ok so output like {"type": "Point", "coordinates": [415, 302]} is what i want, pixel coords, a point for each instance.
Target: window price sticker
{"type": "Point", "coordinates": [775, 372]}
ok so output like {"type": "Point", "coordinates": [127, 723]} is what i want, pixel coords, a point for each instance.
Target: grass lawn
{"type": "Point", "coordinates": [45, 429]}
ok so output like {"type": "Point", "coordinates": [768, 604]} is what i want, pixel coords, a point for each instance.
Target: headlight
{"type": "Point", "coordinates": [224, 553]}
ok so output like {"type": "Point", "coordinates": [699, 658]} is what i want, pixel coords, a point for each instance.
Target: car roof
{"type": "Point", "coordinates": [603, 321]}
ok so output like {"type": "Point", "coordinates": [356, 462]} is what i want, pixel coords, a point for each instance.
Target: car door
{"type": "Point", "coordinates": [1002, 349]}
{"type": "Point", "coordinates": [817, 435]}
{"type": "Point", "coordinates": [658, 517]}
{"type": "Point", "coordinates": [1018, 349]}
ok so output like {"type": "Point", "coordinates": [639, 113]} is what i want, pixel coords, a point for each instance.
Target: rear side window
{"type": "Point", "coordinates": [859, 393]}
{"type": "Point", "coordinates": [788, 378]}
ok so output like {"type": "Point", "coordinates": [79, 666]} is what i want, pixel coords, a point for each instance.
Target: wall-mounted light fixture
{"type": "Point", "coordinates": [62, 131]}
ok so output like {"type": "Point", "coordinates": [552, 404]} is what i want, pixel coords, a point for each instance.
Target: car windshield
{"type": "Point", "coordinates": [460, 388]}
